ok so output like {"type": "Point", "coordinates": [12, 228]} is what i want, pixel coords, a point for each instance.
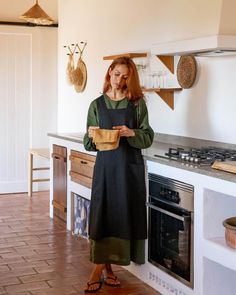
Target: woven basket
{"type": "Point", "coordinates": [70, 68]}
{"type": "Point", "coordinates": [186, 71]}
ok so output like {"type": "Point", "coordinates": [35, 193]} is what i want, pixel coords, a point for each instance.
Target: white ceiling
{"type": "Point", "coordinates": [10, 10]}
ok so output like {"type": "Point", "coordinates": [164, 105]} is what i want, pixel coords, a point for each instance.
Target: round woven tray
{"type": "Point", "coordinates": [186, 71]}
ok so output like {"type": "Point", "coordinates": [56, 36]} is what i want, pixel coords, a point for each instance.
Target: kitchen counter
{"type": "Point", "coordinates": [160, 147]}
{"type": "Point", "coordinates": [214, 201]}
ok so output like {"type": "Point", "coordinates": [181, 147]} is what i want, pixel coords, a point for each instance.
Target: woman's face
{"type": "Point", "coordinates": [118, 76]}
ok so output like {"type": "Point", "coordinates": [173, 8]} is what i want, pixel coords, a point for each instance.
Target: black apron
{"type": "Point", "coordinates": [118, 190]}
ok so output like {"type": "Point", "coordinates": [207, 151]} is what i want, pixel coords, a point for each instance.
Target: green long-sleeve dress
{"type": "Point", "coordinates": [112, 249]}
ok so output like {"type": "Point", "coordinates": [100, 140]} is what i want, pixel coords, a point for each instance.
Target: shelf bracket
{"type": "Point", "coordinates": [168, 97]}
{"type": "Point", "coordinates": [168, 61]}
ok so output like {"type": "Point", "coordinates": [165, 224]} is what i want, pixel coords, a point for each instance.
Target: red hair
{"type": "Point", "coordinates": [132, 86]}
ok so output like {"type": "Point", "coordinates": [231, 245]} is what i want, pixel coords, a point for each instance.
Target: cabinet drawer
{"type": "Point", "coordinates": [82, 168]}
{"type": "Point", "coordinates": [84, 156]}
{"type": "Point", "coordinates": [81, 179]}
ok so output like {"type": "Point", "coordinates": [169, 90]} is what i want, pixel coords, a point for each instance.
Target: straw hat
{"type": "Point", "coordinates": [79, 76]}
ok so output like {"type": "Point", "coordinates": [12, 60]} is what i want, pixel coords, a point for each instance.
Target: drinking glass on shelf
{"type": "Point", "coordinates": [161, 76]}
{"type": "Point", "coordinates": [159, 79]}
{"type": "Point", "coordinates": [164, 76]}
{"type": "Point", "coordinates": [141, 65]}
{"type": "Point", "coordinates": [153, 79]}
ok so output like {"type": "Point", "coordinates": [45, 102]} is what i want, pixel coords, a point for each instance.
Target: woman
{"type": "Point", "coordinates": [117, 227]}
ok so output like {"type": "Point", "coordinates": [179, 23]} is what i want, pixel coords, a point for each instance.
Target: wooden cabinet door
{"type": "Point", "coordinates": [59, 181]}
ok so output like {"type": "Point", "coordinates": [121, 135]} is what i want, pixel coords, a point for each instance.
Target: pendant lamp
{"type": "Point", "coordinates": [36, 15]}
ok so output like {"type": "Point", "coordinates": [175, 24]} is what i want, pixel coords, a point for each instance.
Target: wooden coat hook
{"type": "Point", "coordinates": [75, 48]}
{"type": "Point", "coordinates": [76, 75]}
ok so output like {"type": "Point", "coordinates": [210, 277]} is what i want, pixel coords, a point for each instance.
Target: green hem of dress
{"type": "Point", "coordinates": [117, 251]}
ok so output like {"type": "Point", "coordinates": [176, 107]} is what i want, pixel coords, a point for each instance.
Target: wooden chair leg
{"type": "Point", "coordinates": [30, 175]}
{"type": "Point", "coordinates": [43, 153]}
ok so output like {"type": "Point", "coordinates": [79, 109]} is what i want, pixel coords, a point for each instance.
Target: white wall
{"type": "Point", "coordinates": [204, 111]}
{"type": "Point", "coordinates": [44, 85]}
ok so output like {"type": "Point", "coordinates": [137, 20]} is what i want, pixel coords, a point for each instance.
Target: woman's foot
{"type": "Point", "coordinates": [111, 280]}
{"type": "Point", "coordinates": [95, 281]}
{"type": "Point", "coordinates": [93, 287]}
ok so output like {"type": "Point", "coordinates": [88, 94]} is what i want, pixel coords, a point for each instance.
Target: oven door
{"type": "Point", "coordinates": [170, 239]}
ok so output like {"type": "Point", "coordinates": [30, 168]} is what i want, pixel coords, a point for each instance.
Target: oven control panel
{"type": "Point", "coordinates": [171, 191]}
{"type": "Point", "coordinates": [169, 195]}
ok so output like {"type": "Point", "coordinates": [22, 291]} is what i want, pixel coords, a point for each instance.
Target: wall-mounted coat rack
{"type": "Point", "coordinates": [76, 76]}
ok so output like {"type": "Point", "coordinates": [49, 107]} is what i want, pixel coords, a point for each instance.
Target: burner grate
{"type": "Point", "coordinates": [202, 156]}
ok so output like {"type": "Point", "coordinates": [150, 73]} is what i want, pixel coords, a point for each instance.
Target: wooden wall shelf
{"type": "Point", "coordinates": [131, 55]}
{"type": "Point", "coordinates": [167, 94]}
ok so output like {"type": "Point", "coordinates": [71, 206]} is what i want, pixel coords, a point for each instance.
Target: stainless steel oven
{"type": "Point", "coordinates": [170, 233]}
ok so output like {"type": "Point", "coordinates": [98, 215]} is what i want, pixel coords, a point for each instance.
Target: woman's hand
{"type": "Point", "coordinates": [124, 131]}
{"type": "Point", "coordinates": [90, 131]}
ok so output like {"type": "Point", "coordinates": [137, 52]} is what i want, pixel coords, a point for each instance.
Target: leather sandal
{"type": "Point", "coordinates": [99, 283]}
{"type": "Point", "coordinates": [115, 282]}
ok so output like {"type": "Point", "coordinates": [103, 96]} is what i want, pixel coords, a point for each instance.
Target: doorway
{"type": "Point", "coordinates": [15, 110]}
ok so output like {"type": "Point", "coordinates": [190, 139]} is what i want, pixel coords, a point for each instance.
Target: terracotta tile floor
{"type": "Point", "coordinates": [39, 257]}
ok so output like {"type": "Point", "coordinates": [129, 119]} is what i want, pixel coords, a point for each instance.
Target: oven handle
{"type": "Point", "coordinates": [184, 218]}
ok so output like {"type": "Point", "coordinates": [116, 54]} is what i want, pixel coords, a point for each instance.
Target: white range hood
{"type": "Point", "coordinates": [222, 40]}
{"type": "Point", "coordinates": [205, 46]}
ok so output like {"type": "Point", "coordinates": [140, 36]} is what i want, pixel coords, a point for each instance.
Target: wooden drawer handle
{"type": "Point", "coordinates": [58, 157]}
{"type": "Point", "coordinates": [83, 157]}
{"type": "Point", "coordinates": [76, 159]}
{"type": "Point", "coordinates": [59, 206]}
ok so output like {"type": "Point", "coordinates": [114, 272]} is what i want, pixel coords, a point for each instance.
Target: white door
{"type": "Point", "coordinates": [15, 110]}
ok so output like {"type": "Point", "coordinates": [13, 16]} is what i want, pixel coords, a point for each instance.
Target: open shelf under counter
{"type": "Point", "coordinates": [217, 207]}
{"type": "Point", "coordinates": [167, 94]}
{"type": "Point", "coordinates": [217, 279]}
{"type": "Point", "coordinates": [216, 249]}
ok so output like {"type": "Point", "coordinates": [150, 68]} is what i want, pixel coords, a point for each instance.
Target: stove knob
{"type": "Point", "coordinates": [176, 197]}
{"type": "Point", "coordinates": [191, 159]}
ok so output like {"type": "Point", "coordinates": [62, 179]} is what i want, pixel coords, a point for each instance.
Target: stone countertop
{"type": "Point", "coordinates": [160, 148]}
{"type": "Point", "coordinates": [75, 137]}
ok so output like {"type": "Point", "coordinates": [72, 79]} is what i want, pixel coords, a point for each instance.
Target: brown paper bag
{"type": "Point", "coordinates": [106, 139]}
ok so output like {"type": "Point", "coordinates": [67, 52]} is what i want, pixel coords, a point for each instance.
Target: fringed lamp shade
{"type": "Point", "coordinates": [36, 15]}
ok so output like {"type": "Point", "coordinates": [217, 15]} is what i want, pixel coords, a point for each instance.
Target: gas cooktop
{"type": "Point", "coordinates": [199, 156]}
